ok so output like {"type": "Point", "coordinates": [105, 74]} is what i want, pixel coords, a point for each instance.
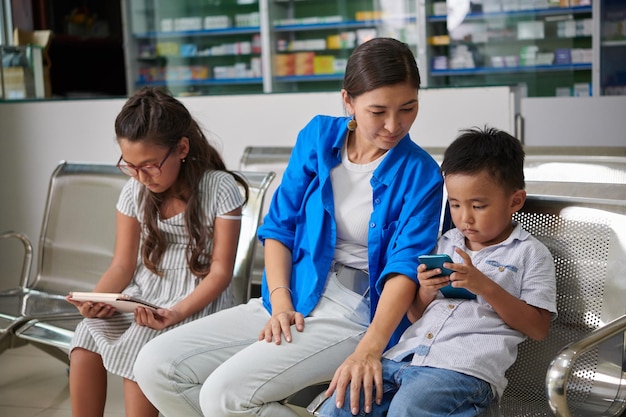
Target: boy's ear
{"type": "Point", "coordinates": [517, 200]}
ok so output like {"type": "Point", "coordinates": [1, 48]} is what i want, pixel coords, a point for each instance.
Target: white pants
{"type": "Point", "coordinates": [216, 367]}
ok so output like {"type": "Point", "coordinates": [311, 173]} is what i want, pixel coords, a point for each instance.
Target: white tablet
{"type": "Point", "coordinates": [122, 302]}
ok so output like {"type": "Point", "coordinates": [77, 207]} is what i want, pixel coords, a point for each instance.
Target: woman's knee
{"type": "Point", "coordinates": [150, 361]}
{"type": "Point", "coordinates": [227, 394]}
{"type": "Point", "coordinates": [214, 399]}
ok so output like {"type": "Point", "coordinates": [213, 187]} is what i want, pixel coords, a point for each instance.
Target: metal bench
{"type": "Point", "coordinates": [586, 238]}
{"type": "Point", "coordinates": [264, 158]}
{"type": "Point", "coordinates": [580, 368]}
{"type": "Point", "coordinates": [75, 248]}
{"type": "Point", "coordinates": [577, 207]}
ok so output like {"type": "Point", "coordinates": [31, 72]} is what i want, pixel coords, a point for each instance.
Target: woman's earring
{"type": "Point", "coordinates": [352, 124]}
{"type": "Point", "coordinates": [183, 160]}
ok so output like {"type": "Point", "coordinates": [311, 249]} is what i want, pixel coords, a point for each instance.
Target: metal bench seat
{"type": "Point", "coordinates": [580, 368]}
{"type": "Point", "coordinates": [76, 246]}
{"type": "Point", "coordinates": [264, 158]}
{"type": "Point", "coordinates": [577, 208]}
{"type": "Point", "coordinates": [587, 240]}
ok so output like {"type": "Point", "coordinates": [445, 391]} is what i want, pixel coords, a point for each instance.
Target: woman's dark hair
{"type": "Point", "coordinates": [377, 63]}
{"type": "Point", "coordinates": [154, 116]}
{"type": "Point", "coordinates": [492, 150]}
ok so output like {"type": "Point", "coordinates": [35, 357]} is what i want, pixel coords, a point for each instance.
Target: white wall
{"type": "Point", "coordinates": [35, 136]}
{"type": "Point", "coordinates": [582, 121]}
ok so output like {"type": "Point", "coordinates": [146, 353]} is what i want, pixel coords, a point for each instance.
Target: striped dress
{"type": "Point", "coordinates": [118, 339]}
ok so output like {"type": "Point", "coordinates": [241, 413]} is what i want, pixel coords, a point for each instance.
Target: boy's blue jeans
{"type": "Point", "coordinates": [417, 391]}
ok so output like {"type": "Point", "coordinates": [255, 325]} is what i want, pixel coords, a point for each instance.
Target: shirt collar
{"type": "Point", "coordinates": [518, 233]}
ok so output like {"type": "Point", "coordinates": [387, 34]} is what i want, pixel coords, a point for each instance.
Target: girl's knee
{"type": "Point", "coordinates": [85, 358]}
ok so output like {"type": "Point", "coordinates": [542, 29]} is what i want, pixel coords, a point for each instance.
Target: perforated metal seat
{"type": "Point", "coordinates": [586, 238]}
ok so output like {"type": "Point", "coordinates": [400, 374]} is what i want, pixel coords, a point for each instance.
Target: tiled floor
{"type": "Point", "coordinates": [34, 384]}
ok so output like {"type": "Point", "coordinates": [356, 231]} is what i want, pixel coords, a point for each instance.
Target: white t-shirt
{"type": "Point", "coordinates": [352, 193]}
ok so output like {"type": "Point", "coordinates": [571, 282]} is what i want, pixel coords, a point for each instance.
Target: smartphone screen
{"type": "Point", "coordinates": [436, 261]}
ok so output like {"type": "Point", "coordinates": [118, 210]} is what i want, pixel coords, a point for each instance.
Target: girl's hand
{"type": "Point", "coordinates": [92, 310]}
{"type": "Point", "coordinates": [157, 320]}
{"type": "Point", "coordinates": [280, 323]}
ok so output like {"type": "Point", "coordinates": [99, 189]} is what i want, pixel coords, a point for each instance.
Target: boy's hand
{"type": "Point", "coordinates": [427, 291]}
{"type": "Point", "coordinates": [428, 284]}
{"type": "Point", "coordinates": [467, 276]}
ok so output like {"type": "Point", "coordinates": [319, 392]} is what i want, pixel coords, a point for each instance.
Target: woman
{"type": "Point", "coordinates": [358, 202]}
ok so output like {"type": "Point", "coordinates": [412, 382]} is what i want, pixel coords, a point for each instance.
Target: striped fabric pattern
{"type": "Point", "coordinates": [118, 339]}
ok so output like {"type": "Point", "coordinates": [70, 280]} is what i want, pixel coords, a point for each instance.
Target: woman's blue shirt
{"type": "Point", "coordinates": [407, 200]}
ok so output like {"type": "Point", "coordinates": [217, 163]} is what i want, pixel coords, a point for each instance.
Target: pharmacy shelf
{"type": "Point", "coordinates": [307, 78]}
{"type": "Point", "coordinates": [345, 24]}
{"type": "Point", "coordinates": [512, 41]}
{"type": "Point", "coordinates": [206, 82]}
{"type": "Point", "coordinates": [553, 11]}
{"type": "Point", "coordinates": [198, 33]}
{"type": "Point", "coordinates": [614, 43]}
{"type": "Point", "coordinates": [510, 70]}
{"type": "Point", "coordinates": [163, 58]}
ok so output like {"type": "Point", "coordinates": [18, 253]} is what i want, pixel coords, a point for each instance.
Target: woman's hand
{"type": "Point", "coordinates": [362, 371]}
{"type": "Point", "coordinates": [157, 320]}
{"type": "Point", "coordinates": [280, 323]}
{"type": "Point", "coordinates": [92, 310]}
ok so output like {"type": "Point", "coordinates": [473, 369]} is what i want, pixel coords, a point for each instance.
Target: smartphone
{"type": "Point", "coordinates": [436, 261]}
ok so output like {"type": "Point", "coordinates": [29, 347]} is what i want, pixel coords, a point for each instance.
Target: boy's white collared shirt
{"type": "Point", "coordinates": [476, 341]}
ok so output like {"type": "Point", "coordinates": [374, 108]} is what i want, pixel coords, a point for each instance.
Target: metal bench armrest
{"type": "Point", "coordinates": [28, 255]}
{"type": "Point", "coordinates": [560, 368]}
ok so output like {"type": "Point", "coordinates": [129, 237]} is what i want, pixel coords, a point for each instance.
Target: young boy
{"type": "Point", "coordinates": [451, 361]}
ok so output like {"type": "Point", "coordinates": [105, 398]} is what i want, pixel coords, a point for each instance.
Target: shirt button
{"type": "Point", "coordinates": [372, 224]}
{"type": "Point", "coordinates": [450, 306]}
{"type": "Point", "coordinates": [429, 336]}
{"type": "Point", "coordinates": [377, 201]}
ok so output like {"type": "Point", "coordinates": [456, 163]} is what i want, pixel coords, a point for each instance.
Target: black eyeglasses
{"type": "Point", "coordinates": [150, 170]}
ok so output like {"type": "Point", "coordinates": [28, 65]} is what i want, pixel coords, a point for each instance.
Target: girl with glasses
{"type": "Point", "coordinates": [178, 223]}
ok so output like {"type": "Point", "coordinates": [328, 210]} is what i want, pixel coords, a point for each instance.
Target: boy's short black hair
{"type": "Point", "coordinates": [490, 149]}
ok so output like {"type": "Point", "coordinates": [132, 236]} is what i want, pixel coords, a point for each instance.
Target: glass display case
{"type": "Point", "coordinates": [544, 47]}
{"type": "Point", "coordinates": [193, 47]}
{"type": "Point", "coordinates": [613, 47]}
{"type": "Point", "coordinates": [248, 46]}
{"type": "Point", "coordinates": [312, 39]}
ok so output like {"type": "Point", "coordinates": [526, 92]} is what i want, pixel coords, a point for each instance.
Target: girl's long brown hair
{"type": "Point", "coordinates": [154, 116]}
